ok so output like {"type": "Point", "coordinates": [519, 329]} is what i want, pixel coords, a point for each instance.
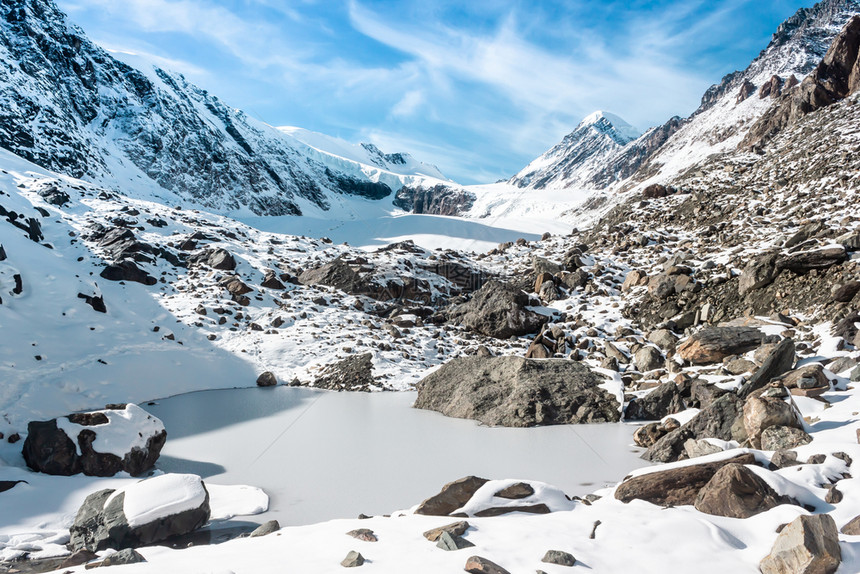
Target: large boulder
{"type": "Point", "coordinates": [722, 419]}
{"type": "Point", "coordinates": [498, 310]}
{"type": "Point", "coordinates": [713, 344]}
{"type": "Point", "coordinates": [808, 545]}
{"type": "Point", "coordinates": [98, 443]}
{"type": "Point", "coordinates": [517, 392]}
{"type": "Point", "coordinates": [144, 513]}
{"type": "Point", "coordinates": [676, 486]}
{"type": "Point", "coordinates": [736, 491]}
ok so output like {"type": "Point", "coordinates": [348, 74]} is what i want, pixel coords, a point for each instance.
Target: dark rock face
{"type": "Point", "coordinates": [98, 526]}
{"type": "Point", "coordinates": [713, 344]}
{"type": "Point", "coordinates": [351, 374]}
{"type": "Point", "coordinates": [835, 78]}
{"type": "Point", "coordinates": [50, 450]}
{"type": "Point", "coordinates": [127, 271]}
{"type": "Point", "coordinates": [662, 401]}
{"type": "Point", "coordinates": [778, 362]}
{"type": "Point", "coordinates": [723, 419]}
{"type": "Point", "coordinates": [517, 392]}
{"type": "Point", "coordinates": [735, 491]}
{"type": "Point", "coordinates": [437, 200]}
{"type": "Point", "coordinates": [453, 495]}
{"type": "Point", "coordinates": [676, 486]}
{"type": "Point", "coordinates": [809, 544]}
{"type": "Point", "coordinates": [498, 310]}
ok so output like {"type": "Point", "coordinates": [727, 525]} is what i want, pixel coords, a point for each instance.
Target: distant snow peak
{"type": "Point", "coordinates": [610, 122]}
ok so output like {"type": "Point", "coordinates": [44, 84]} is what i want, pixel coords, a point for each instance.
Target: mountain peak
{"type": "Point", "coordinates": [605, 119]}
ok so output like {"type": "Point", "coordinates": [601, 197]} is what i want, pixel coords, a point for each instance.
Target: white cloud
{"type": "Point", "coordinates": [408, 105]}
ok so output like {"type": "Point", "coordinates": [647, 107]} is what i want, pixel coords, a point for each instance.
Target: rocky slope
{"type": "Point", "coordinates": [71, 107]}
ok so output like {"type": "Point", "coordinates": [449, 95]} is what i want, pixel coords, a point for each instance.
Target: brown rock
{"type": "Point", "coordinates": [541, 279]}
{"type": "Point", "coordinates": [499, 510]}
{"type": "Point", "coordinates": [806, 377]}
{"type": "Point", "coordinates": [454, 529]}
{"type": "Point", "coordinates": [516, 491]}
{"type": "Point", "coordinates": [677, 486]}
{"type": "Point", "coordinates": [735, 491]}
{"type": "Point", "coordinates": [453, 495]}
{"type": "Point", "coordinates": [846, 292]}
{"type": "Point", "coordinates": [632, 279]}
{"type": "Point", "coordinates": [713, 344]}
{"type": "Point", "coordinates": [365, 534]}
{"type": "Point", "coordinates": [852, 528]}
{"type": "Point", "coordinates": [478, 565]}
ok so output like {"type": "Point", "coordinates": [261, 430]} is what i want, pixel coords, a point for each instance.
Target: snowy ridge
{"type": "Point", "coordinates": [72, 107]}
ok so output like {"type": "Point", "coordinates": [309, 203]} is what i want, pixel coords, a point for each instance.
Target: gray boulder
{"type": "Point", "coordinates": [102, 522]}
{"type": "Point", "coordinates": [783, 437]}
{"type": "Point", "coordinates": [808, 545]}
{"type": "Point", "coordinates": [766, 411]}
{"type": "Point", "coordinates": [517, 392]}
{"type": "Point", "coordinates": [648, 358]}
{"type": "Point", "coordinates": [758, 273]}
{"type": "Point", "coordinates": [498, 310]}
{"type": "Point", "coordinates": [662, 401]}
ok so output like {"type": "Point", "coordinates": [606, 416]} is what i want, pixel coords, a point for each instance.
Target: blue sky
{"type": "Point", "coordinates": [479, 88]}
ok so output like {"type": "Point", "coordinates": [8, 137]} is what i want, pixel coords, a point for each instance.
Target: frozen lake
{"type": "Point", "coordinates": [323, 455]}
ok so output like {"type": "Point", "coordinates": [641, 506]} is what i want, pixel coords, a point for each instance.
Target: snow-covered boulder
{"type": "Point", "coordinates": [99, 443]}
{"type": "Point", "coordinates": [146, 512]}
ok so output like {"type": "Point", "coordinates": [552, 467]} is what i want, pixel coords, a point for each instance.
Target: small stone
{"type": "Point", "coordinates": [454, 529]}
{"type": "Point", "coordinates": [124, 556]}
{"type": "Point", "coordinates": [782, 437]}
{"type": "Point", "coordinates": [352, 560]}
{"type": "Point", "coordinates": [365, 534]}
{"type": "Point", "coordinates": [816, 459]}
{"type": "Point", "coordinates": [558, 557]}
{"type": "Point", "coordinates": [852, 528]}
{"type": "Point", "coordinates": [265, 528]}
{"type": "Point", "coordinates": [449, 543]}
{"type": "Point", "coordinates": [833, 496]}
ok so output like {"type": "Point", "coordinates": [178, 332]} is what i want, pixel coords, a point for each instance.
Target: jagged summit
{"type": "Point", "coordinates": [574, 160]}
{"type": "Point", "coordinates": [612, 124]}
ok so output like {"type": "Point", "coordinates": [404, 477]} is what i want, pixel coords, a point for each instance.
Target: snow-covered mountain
{"type": "Point", "coordinates": [721, 122]}
{"type": "Point", "coordinates": [70, 106]}
{"type": "Point", "coordinates": [581, 154]}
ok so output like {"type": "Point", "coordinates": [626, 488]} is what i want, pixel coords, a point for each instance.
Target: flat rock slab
{"type": "Point", "coordinates": [453, 495]}
{"type": "Point", "coordinates": [713, 344]}
{"type": "Point", "coordinates": [517, 392]}
{"type": "Point", "coordinates": [676, 486]}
